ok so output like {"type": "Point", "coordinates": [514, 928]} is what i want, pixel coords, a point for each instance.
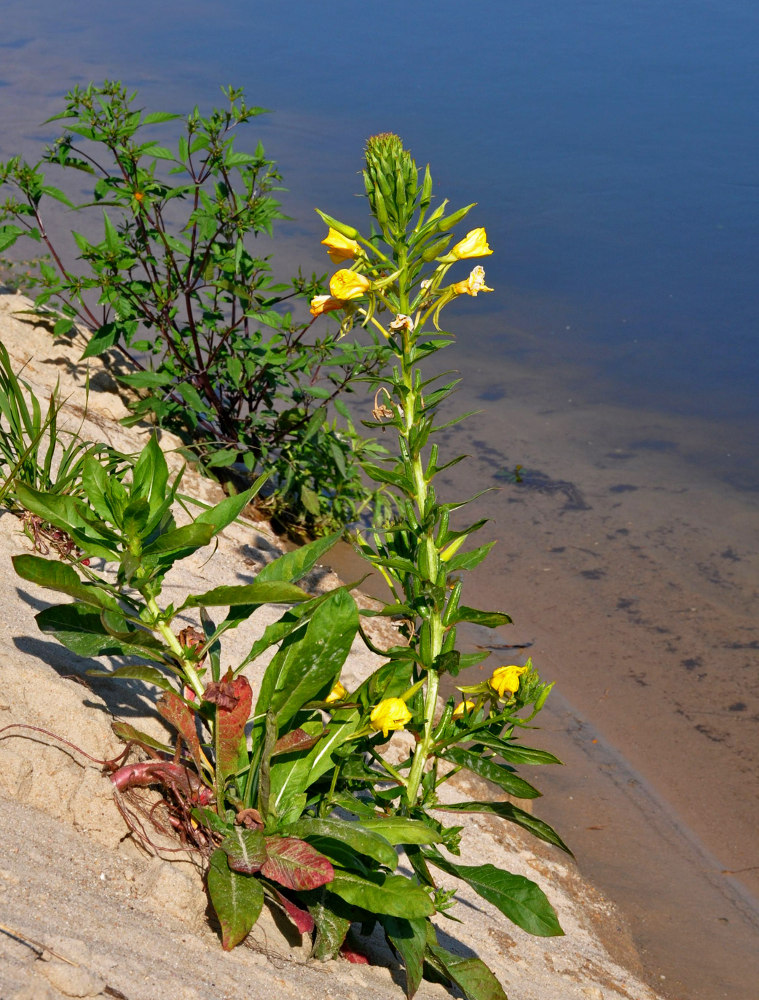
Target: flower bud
{"type": "Point", "coordinates": [474, 244]}
{"type": "Point", "coordinates": [348, 231]}
{"type": "Point", "coordinates": [339, 247]}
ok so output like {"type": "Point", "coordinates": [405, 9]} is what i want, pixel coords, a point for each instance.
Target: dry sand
{"type": "Point", "coordinates": [85, 914]}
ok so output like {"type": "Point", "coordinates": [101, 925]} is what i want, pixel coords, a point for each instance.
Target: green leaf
{"type": "Point", "coordinates": [126, 732]}
{"type": "Point", "coordinates": [523, 902]}
{"type": "Point", "coordinates": [468, 560]}
{"type": "Point", "coordinates": [102, 339]}
{"type": "Point", "coordinates": [507, 810]}
{"type": "Point", "coordinates": [409, 938]}
{"type": "Point", "coordinates": [399, 830]}
{"type": "Point", "coordinates": [332, 919]}
{"type": "Point", "coordinates": [499, 774]}
{"type": "Point", "coordinates": [156, 117]}
{"type": "Point", "coordinates": [490, 619]}
{"type": "Point", "coordinates": [188, 538]}
{"type": "Point", "coordinates": [471, 975]}
{"type": "Point", "coordinates": [514, 752]}
{"type": "Point", "coordinates": [294, 565]}
{"type": "Point", "coordinates": [237, 899]}
{"type": "Point", "coordinates": [267, 592]}
{"type": "Point", "coordinates": [63, 578]}
{"type": "Point", "coordinates": [156, 151]}
{"type": "Point", "coordinates": [308, 662]}
{"type": "Point", "coordinates": [394, 895]}
{"type": "Point", "coordinates": [135, 672]}
{"type": "Point", "coordinates": [80, 628]}
{"type": "Point", "coordinates": [230, 508]}
{"type": "Point", "coordinates": [363, 841]}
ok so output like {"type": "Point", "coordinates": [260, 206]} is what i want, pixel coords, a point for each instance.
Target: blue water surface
{"type": "Point", "coordinates": [612, 148]}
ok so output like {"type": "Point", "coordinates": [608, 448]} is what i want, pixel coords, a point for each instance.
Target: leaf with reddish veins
{"type": "Point", "coordinates": [182, 718]}
{"type": "Point", "coordinates": [233, 700]}
{"type": "Point", "coordinates": [298, 739]}
{"type": "Point", "coordinates": [296, 864]}
{"type": "Point", "coordinates": [302, 919]}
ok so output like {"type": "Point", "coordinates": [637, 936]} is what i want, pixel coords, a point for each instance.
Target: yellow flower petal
{"type": "Point", "coordinates": [506, 679]}
{"type": "Point", "coordinates": [474, 244]}
{"type": "Point", "coordinates": [339, 247]}
{"type": "Point", "coordinates": [325, 303]}
{"type": "Point", "coordinates": [474, 283]}
{"type": "Point", "coordinates": [347, 285]}
{"type": "Point", "coordinates": [337, 693]}
{"type": "Point", "coordinates": [465, 706]}
{"type": "Point", "coordinates": [391, 713]}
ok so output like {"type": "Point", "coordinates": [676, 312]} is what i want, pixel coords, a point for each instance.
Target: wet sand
{"type": "Point", "coordinates": [632, 574]}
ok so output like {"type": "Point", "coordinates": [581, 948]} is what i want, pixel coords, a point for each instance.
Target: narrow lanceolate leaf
{"type": "Point", "coordinates": [80, 628]}
{"type": "Point", "coordinates": [230, 507]}
{"type": "Point", "coordinates": [398, 830]}
{"type": "Point", "coordinates": [499, 774]}
{"type": "Point", "coordinates": [294, 565]}
{"type": "Point", "coordinates": [409, 938]}
{"type": "Point", "coordinates": [362, 841]}
{"type": "Point", "coordinates": [331, 926]}
{"type": "Point", "coordinates": [233, 700]}
{"type": "Point", "coordinates": [267, 592]}
{"type": "Point", "coordinates": [126, 732]}
{"type": "Point", "coordinates": [182, 718]}
{"type": "Point", "coordinates": [63, 578]}
{"type": "Point", "coordinates": [245, 850]}
{"type": "Point", "coordinates": [471, 975]}
{"type": "Point", "coordinates": [237, 900]}
{"type": "Point", "coordinates": [393, 895]}
{"type": "Point", "coordinates": [297, 739]}
{"type": "Point", "coordinates": [133, 672]}
{"type": "Point", "coordinates": [514, 814]}
{"type": "Point", "coordinates": [296, 864]}
{"type": "Point", "coordinates": [515, 896]}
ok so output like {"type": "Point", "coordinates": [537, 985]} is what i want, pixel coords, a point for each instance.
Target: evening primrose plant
{"type": "Point", "coordinates": [395, 280]}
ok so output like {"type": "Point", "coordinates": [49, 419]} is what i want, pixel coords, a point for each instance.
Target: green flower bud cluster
{"type": "Point", "coordinates": [391, 182]}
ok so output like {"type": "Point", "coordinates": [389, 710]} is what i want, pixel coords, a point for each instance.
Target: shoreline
{"type": "Point", "coordinates": [631, 575]}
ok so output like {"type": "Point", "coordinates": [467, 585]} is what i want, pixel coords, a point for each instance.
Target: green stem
{"type": "Point", "coordinates": [175, 646]}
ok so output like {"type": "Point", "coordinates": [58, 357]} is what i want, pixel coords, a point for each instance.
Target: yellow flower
{"type": "Point", "coordinates": [339, 247]}
{"type": "Point", "coordinates": [391, 713]}
{"type": "Point", "coordinates": [324, 304]}
{"type": "Point", "coordinates": [348, 285]}
{"type": "Point", "coordinates": [337, 693]}
{"type": "Point", "coordinates": [473, 284]}
{"type": "Point", "coordinates": [465, 706]}
{"type": "Point", "coordinates": [506, 679]}
{"type": "Point", "coordinates": [474, 244]}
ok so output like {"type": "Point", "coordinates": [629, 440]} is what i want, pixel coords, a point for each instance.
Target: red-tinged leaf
{"type": "Point", "coordinates": [353, 956]}
{"type": "Point", "coordinates": [233, 698]}
{"type": "Point", "coordinates": [245, 850]}
{"type": "Point", "coordinates": [237, 899]}
{"type": "Point", "coordinates": [296, 864]}
{"type": "Point", "coordinates": [302, 919]}
{"type": "Point", "coordinates": [298, 739]}
{"type": "Point", "coordinates": [182, 718]}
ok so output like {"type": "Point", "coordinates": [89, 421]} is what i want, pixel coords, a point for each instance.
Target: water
{"type": "Point", "coordinates": [612, 151]}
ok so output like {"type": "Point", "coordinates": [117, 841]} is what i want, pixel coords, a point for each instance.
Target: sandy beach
{"type": "Point", "coordinates": [84, 913]}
